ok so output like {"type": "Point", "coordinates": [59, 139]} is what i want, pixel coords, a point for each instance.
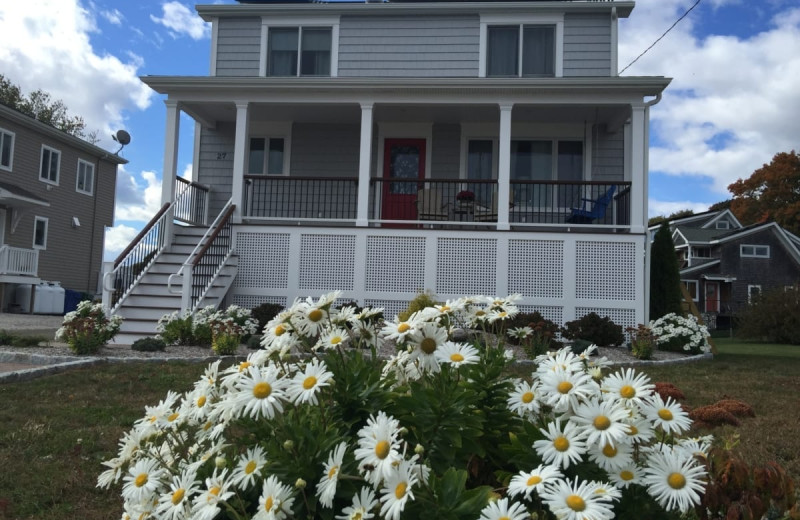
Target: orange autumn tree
{"type": "Point", "coordinates": [771, 193]}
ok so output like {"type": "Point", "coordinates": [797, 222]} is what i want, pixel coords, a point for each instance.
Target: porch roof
{"type": "Point", "coordinates": [13, 196]}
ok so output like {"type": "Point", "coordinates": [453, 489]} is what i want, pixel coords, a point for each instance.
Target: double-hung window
{"type": "Point", "coordinates": [299, 51]}
{"type": "Point", "coordinates": [85, 178]}
{"type": "Point", "coordinates": [6, 149]}
{"type": "Point", "coordinates": [267, 156]}
{"type": "Point", "coordinates": [50, 163]}
{"type": "Point", "coordinates": [520, 50]}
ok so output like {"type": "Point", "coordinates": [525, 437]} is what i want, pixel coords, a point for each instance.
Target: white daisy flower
{"type": "Point", "coordinates": [206, 504]}
{"type": "Point", "coordinates": [628, 387]}
{"type": "Point", "coordinates": [259, 393]}
{"type": "Point", "coordinates": [398, 330]}
{"type": "Point", "coordinates": [249, 467]}
{"type": "Point", "coordinates": [378, 451]}
{"type": "Point", "coordinates": [457, 354]}
{"type": "Point", "coordinates": [275, 502]}
{"type": "Point", "coordinates": [523, 400]}
{"type": "Point", "coordinates": [426, 339]}
{"type": "Point", "coordinates": [696, 446]}
{"type": "Point", "coordinates": [397, 490]}
{"type": "Point", "coordinates": [142, 481]}
{"type": "Point", "coordinates": [561, 448]}
{"type": "Point", "coordinates": [626, 475]}
{"type": "Point", "coordinates": [333, 339]}
{"type": "Point", "coordinates": [668, 415]}
{"type": "Point", "coordinates": [501, 510]}
{"type": "Point", "coordinates": [611, 457]}
{"type": "Point", "coordinates": [675, 481]}
{"type": "Point", "coordinates": [361, 508]}
{"type": "Point", "coordinates": [564, 390]}
{"type": "Point", "coordinates": [602, 422]}
{"type": "Point", "coordinates": [477, 316]}
{"type": "Point", "coordinates": [176, 503]}
{"type": "Point", "coordinates": [574, 501]}
{"type": "Point", "coordinates": [520, 333]}
{"type": "Point", "coordinates": [326, 487]}
{"type": "Point", "coordinates": [305, 385]}
{"type": "Point", "coordinates": [525, 482]}
{"type": "Point", "coordinates": [311, 317]}
{"type": "Point", "coordinates": [640, 430]}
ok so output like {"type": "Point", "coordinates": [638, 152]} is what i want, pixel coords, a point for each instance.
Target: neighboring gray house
{"type": "Point", "coordinates": [724, 264]}
{"type": "Point", "coordinates": [56, 197]}
{"type": "Point", "coordinates": [384, 148]}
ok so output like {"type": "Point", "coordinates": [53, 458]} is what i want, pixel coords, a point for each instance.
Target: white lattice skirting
{"type": "Point", "coordinates": [563, 276]}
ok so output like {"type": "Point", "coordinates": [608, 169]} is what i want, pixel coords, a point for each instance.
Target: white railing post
{"type": "Point", "coordinates": [186, 286]}
{"type": "Point", "coordinates": [108, 268]}
{"type": "Point", "coordinates": [504, 168]}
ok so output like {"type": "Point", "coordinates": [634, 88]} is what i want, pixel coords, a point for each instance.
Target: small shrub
{"type": "Point", "coordinates": [265, 312]}
{"type": "Point", "coordinates": [149, 345]}
{"type": "Point", "coordinates": [6, 337]}
{"type": "Point", "coordinates": [737, 407]}
{"type": "Point", "coordinates": [176, 329]}
{"type": "Point", "coordinates": [643, 341]}
{"type": "Point", "coordinates": [87, 328]}
{"type": "Point", "coordinates": [712, 415]}
{"type": "Point", "coordinates": [201, 329]}
{"type": "Point", "coordinates": [675, 333]}
{"type": "Point", "coordinates": [535, 333]}
{"type": "Point", "coordinates": [422, 301]}
{"type": "Point", "coordinates": [773, 317]}
{"type": "Point", "coordinates": [601, 331]}
{"type": "Point", "coordinates": [579, 346]}
{"type": "Point", "coordinates": [229, 328]}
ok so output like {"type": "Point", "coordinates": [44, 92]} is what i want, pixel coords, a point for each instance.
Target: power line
{"type": "Point", "coordinates": [660, 37]}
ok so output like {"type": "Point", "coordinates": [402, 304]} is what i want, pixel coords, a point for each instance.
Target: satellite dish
{"type": "Point", "coordinates": [123, 138]}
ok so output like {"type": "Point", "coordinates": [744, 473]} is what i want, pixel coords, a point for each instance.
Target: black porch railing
{"type": "Point", "coordinates": [321, 198]}
{"type": "Point", "coordinates": [191, 202]}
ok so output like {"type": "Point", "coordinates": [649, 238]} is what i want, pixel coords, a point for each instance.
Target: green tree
{"type": "Point", "coordinates": [665, 277]}
{"type": "Point", "coordinates": [673, 216]}
{"type": "Point", "coordinates": [40, 105]}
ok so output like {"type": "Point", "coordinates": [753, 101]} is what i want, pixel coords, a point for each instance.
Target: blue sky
{"type": "Point", "coordinates": [732, 105]}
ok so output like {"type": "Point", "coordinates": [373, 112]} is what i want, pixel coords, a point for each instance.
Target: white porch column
{"type": "Point", "coordinates": [171, 133]}
{"type": "Point", "coordinates": [365, 155]}
{"type": "Point", "coordinates": [504, 168]}
{"type": "Point", "coordinates": [239, 152]}
{"type": "Point", "coordinates": [639, 172]}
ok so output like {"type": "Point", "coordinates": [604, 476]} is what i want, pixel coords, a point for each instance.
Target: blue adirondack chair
{"type": "Point", "coordinates": [592, 209]}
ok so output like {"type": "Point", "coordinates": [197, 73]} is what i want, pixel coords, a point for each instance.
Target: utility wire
{"type": "Point", "coordinates": [660, 37]}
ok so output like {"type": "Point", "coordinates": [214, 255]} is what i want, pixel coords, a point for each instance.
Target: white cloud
{"type": "Point", "coordinates": [187, 172]}
{"type": "Point", "coordinates": [45, 45]}
{"type": "Point", "coordinates": [117, 239]}
{"type": "Point", "coordinates": [182, 21]}
{"type": "Point", "coordinates": [733, 102]}
{"type": "Point", "coordinates": [113, 16]}
{"type": "Point", "coordinates": [137, 200]}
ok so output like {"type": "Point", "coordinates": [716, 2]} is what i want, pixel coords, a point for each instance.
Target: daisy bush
{"type": "Point", "coordinates": [679, 334]}
{"type": "Point", "coordinates": [87, 328]}
{"type": "Point", "coordinates": [229, 327]}
{"type": "Point", "coordinates": [317, 425]}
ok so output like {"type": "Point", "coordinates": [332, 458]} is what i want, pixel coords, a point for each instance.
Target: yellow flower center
{"type": "Point", "coordinates": [456, 358]}
{"type": "Point", "coordinates": [561, 443]}
{"type": "Point", "coordinates": [332, 471]}
{"type": "Point", "coordinates": [244, 365]}
{"type": "Point", "coordinates": [428, 345]}
{"type": "Point", "coordinates": [201, 401]}
{"type": "Point", "coordinates": [676, 481]}
{"type": "Point", "coordinates": [632, 430]}
{"type": "Point", "coordinates": [141, 480]}
{"type": "Point", "coordinates": [527, 397]}
{"type": "Point", "coordinates": [177, 496]}
{"type": "Point", "coordinates": [382, 449]}
{"type": "Point", "coordinates": [280, 330]}
{"type": "Point", "coordinates": [251, 467]}
{"type": "Point", "coordinates": [609, 451]}
{"type": "Point", "coordinates": [173, 416]}
{"type": "Point", "coordinates": [309, 382]}
{"type": "Point", "coordinates": [400, 490]}
{"type": "Point", "coordinates": [336, 340]}
{"type": "Point", "coordinates": [268, 503]}
{"type": "Point", "coordinates": [627, 392]}
{"type": "Point", "coordinates": [601, 422]}
{"type": "Point", "coordinates": [532, 481]}
{"type": "Point", "coordinates": [564, 387]}
{"type": "Point", "coordinates": [214, 491]}
{"type": "Point", "coordinates": [504, 518]}
{"type": "Point", "coordinates": [480, 313]}
{"type": "Point", "coordinates": [207, 426]}
{"type": "Point", "coordinates": [262, 390]}
{"type": "Point", "coordinates": [315, 315]}
{"type": "Point", "coordinates": [444, 308]}
{"type": "Point", "coordinates": [403, 327]}
{"type": "Point", "coordinates": [665, 414]}
{"type": "Point", "coordinates": [625, 475]}
{"type": "Point", "coordinates": [576, 503]}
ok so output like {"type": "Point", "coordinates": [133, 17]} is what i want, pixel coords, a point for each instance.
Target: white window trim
{"type": "Point", "coordinates": [273, 130]}
{"type": "Point", "coordinates": [750, 292]}
{"type": "Point", "coordinates": [289, 21]}
{"type": "Point", "coordinates": [755, 254]}
{"type": "Point", "coordinates": [696, 295]}
{"type": "Point", "coordinates": [10, 166]}
{"type": "Point", "coordinates": [542, 19]}
{"type": "Point", "coordinates": [37, 219]}
{"type": "Point", "coordinates": [58, 168]}
{"type": "Point", "coordinates": [722, 224]}
{"type": "Point", "coordinates": [78, 174]}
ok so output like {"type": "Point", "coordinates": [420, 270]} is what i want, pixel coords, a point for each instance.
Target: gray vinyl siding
{"type": "Point", "coordinates": [320, 150]}
{"type": "Point", "coordinates": [215, 168]}
{"type": "Point", "coordinates": [409, 46]}
{"type": "Point", "coordinates": [238, 46]}
{"type": "Point", "coordinates": [608, 159]}
{"type": "Point", "coordinates": [587, 45]}
{"type": "Point", "coordinates": [73, 255]}
{"type": "Point", "coordinates": [445, 156]}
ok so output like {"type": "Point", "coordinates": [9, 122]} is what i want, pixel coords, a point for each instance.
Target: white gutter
{"type": "Point", "coordinates": [648, 246]}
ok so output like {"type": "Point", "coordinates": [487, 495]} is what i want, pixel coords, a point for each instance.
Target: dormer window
{"type": "Point", "coordinates": [723, 224]}
{"type": "Point", "coordinates": [299, 51]}
{"type": "Point", "coordinates": [531, 47]}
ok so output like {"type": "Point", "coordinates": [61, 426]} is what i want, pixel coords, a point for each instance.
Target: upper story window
{"type": "Point", "coordinates": [722, 224]}
{"type": "Point", "coordinates": [753, 251]}
{"type": "Point", "coordinates": [526, 47]}
{"type": "Point", "coordinates": [267, 156]}
{"type": "Point", "coordinates": [6, 149]}
{"type": "Point", "coordinates": [40, 232]}
{"type": "Point", "coordinates": [50, 164]}
{"type": "Point", "coordinates": [701, 252]}
{"type": "Point", "coordinates": [85, 178]}
{"type": "Point", "coordinates": [299, 51]}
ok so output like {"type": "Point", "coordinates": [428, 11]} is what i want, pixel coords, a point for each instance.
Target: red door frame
{"type": "Point", "coordinates": [400, 206]}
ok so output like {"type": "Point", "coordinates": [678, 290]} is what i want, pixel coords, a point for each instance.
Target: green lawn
{"type": "Point", "coordinates": [729, 346]}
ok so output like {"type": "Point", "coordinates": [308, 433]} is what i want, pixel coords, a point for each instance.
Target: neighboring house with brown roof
{"type": "Point", "coordinates": [56, 198]}
{"type": "Point", "coordinates": [724, 264]}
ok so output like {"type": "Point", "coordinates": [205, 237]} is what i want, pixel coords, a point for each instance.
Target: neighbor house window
{"type": "Point", "coordinates": [692, 288]}
{"type": "Point", "coordinates": [753, 292]}
{"type": "Point", "coordinates": [266, 156]}
{"type": "Point", "coordinates": [51, 161]}
{"type": "Point", "coordinates": [520, 50]}
{"type": "Point", "coordinates": [6, 149]}
{"type": "Point", "coordinates": [754, 251]}
{"type": "Point", "coordinates": [40, 232]}
{"type": "Point", "coordinates": [723, 224]}
{"type": "Point", "coordinates": [85, 180]}
{"type": "Point", "coordinates": [299, 51]}
{"type": "Point", "coordinates": [701, 252]}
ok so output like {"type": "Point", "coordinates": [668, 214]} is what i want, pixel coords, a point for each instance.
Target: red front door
{"type": "Point", "coordinates": [712, 296]}
{"type": "Point", "coordinates": [403, 169]}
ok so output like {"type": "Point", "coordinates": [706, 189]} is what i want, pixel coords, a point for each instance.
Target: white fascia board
{"type": "Point", "coordinates": [724, 213]}
{"type": "Point", "coordinates": [699, 267]}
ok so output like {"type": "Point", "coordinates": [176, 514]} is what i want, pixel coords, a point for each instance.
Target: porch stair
{"type": "Point", "coordinates": [151, 298]}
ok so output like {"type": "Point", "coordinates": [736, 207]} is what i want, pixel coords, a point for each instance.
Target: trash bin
{"type": "Point", "coordinates": [71, 300]}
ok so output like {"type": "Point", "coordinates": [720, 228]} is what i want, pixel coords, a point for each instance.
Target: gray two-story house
{"type": "Point", "coordinates": [56, 198]}
{"type": "Point", "coordinates": [386, 148]}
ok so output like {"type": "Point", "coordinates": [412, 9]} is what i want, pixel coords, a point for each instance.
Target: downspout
{"type": "Point", "coordinates": [647, 241]}
{"type": "Point", "coordinates": [96, 190]}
